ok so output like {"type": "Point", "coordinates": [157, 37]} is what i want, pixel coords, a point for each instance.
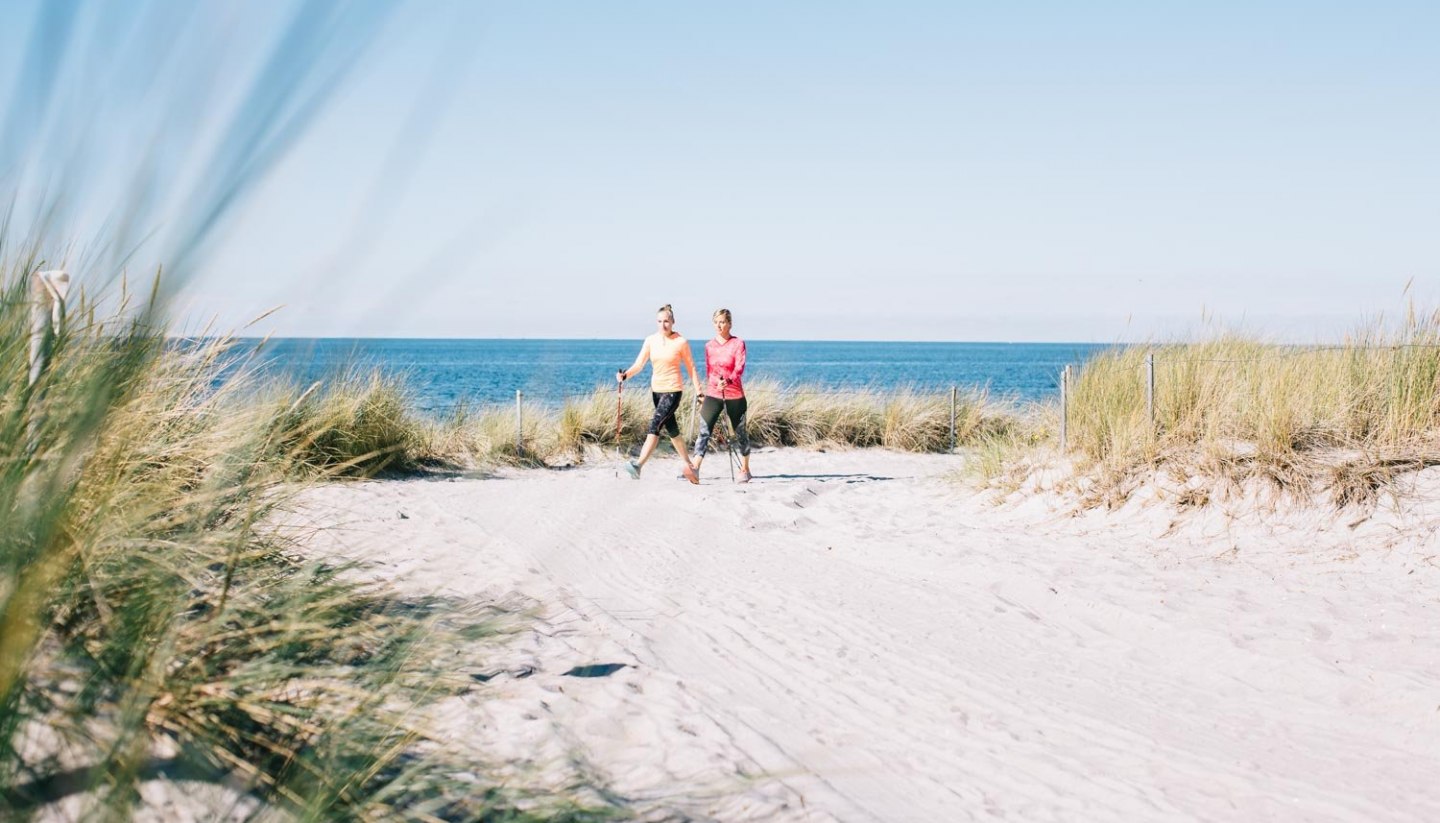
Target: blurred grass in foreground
{"type": "Point", "coordinates": [150, 624]}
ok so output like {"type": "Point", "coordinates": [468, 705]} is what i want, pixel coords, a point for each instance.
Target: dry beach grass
{"type": "Point", "coordinates": [799, 416]}
{"type": "Point", "coordinates": [1337, 422]}
{"type": "Point", "coordinates": [150, 627]}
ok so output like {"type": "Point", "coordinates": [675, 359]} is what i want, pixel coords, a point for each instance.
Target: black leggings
{"type": "Point", "coordinates": [710, 412]}
{"type": "Point", "coordinates": [666, 404]}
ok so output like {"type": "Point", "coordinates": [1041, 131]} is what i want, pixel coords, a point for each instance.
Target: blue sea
{"type": "Point", "coordinates": [447, 373]}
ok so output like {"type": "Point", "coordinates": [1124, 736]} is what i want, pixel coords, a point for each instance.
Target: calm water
{"type": "Point", "coordinates": [444, 373]}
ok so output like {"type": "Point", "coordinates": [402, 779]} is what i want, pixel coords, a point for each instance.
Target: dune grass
{"type": "Point", "coordinates": [394, 439]}
{"type": "Point", "coordinates": [1342, 421]}
{"type": "Point", "coordinates": [777, 415]}
{"type": "Point", "coordinates": [150, 624]}
{"type": "Point", "coordinates": [361, 423]}
{"type": "Point", "coordinates": [358, 424]}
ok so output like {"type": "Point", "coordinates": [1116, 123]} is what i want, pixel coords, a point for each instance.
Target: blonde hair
{"type": "Point", "coordinates": [666, 308]}
{"type": "Point", "coordinates": [719, 313]}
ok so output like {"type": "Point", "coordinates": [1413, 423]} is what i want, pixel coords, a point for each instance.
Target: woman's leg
{"type": "Point", "coordinates": [709, 413]}
{"type": "Point", "coordinates": [651, 440]}
{"type": "Point", "coordinates": [737, 409]}
{"type": "Point", "coordinates": [665, 404]}
{"type": "Point", "coordinates": [672, 428]}
{"type": "Point", "coordinates": [679, 443]}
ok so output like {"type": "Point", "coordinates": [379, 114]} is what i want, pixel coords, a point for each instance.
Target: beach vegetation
{"type": "Point", "coordinates": [358, 424]}
{"type": "Point", "coordinates": [153, 622]}
{"type": "Point", "coordinates": [165, 646]}
{"type": "Point", "coordinates": [805, 416]}
{"type": "Point", "coordinates": [1343, 421]}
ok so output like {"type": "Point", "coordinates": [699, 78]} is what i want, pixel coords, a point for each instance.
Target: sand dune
{"type": "Point", "coordinates": [855, 637]}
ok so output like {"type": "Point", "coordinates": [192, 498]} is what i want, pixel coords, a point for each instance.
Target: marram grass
{"type": "Point", "coordinates": [1341, 420]}
{"type": "Point", "coordinates": [358, 424]}
{"type": "Point", "coordinates": [149, 623]}
{"type": "Point", "coordinates": [394, 439]}
{"type": "Point", "coordinates": [777, 415]}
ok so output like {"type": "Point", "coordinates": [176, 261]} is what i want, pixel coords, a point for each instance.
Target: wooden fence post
{"type": "Point", "coordinates": [1065, 410]}
{"type": "Point", "coordinates": [1150, 390]}
{"type": "Point", "coordinates": [953, 396]}
{"type": "Point", "coordinates": [519, 425]}
{"type": "Point", "coordinates": [47, 315]}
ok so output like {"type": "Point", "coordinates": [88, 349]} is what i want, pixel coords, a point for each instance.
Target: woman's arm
{"type": "Point", "coordinates": [637, 365]}
{"type": "Point", "coordinates": [689, 360]}
{"type": "Point", "coordinates": [739, 371]}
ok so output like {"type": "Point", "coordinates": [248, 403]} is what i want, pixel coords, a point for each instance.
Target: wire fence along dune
{"type": "Point", "coordinates": [777, 415]}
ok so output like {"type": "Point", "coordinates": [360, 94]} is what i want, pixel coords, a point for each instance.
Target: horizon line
{"type": "Point", "coordinates": [1016, 342]}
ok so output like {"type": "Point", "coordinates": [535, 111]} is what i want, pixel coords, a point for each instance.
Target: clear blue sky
{"type": "Point", "coordinates": [896, 170]}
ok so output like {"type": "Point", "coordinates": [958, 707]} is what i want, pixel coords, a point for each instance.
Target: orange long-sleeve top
{"type": "Point", "coordinates": [666, 356]}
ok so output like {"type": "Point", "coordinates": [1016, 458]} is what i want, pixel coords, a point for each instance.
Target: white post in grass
{"type": "Point", "coordinates": [953, 393]}
{"type": "Point", "coordinates": [1150, 390]}
{"type": "Point", "coordinates": [47, 315]}
{"type": "Point", "coordinates": [1064, 410]}
{"type": "Point", "coordinates": [519, 426]}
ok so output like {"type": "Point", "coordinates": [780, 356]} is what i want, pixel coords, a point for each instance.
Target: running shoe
{"type": "Point", "coordinates": [691, 475]}
{"type": "Point", "coordinates": [633, 469]}
{"type": "Point", "coordinates": [743, 478]}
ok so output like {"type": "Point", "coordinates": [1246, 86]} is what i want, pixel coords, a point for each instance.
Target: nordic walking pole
{"type": "Point", "coordinates": [619, 415]}
{"type": "Point", "coordinates": [725, 412]}
{"type": "Point", "coordinates": [733, 461]}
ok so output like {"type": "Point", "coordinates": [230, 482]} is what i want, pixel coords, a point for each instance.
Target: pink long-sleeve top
{"type": "Point", "coordinates": [724, 368]}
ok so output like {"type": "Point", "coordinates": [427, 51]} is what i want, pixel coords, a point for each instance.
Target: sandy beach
{"type": "Point", "coordinates": [859, 635]}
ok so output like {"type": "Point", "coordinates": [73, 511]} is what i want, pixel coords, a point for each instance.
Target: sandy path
{"type": "Point", "coordinates": [853, 637]}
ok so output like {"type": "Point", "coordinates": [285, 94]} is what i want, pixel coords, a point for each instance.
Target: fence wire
{"type": "Point", "coordinates": [557, 403]}
{"type": "Point", "coordinates": [1298, 352]}
{"type": "Point", "coordinates": [1154, 362]}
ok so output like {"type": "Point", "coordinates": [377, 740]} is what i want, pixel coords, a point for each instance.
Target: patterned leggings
{"type": "Point", "coordinates": [666, 404]}
{"type": "Point", "coordinates": [710, 413]}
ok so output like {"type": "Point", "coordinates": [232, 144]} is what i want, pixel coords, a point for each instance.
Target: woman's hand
{"type": "Point", "coordinates": [620, 376]}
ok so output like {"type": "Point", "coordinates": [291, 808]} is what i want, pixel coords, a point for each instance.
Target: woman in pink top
{"type": "Point", "coordinates": [724, 389]}
{"type": "Point", "coordinates": [667, 351]}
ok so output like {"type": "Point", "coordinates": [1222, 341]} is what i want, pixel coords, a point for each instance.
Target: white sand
{"type": "Point", "coordinates": [856, 637]}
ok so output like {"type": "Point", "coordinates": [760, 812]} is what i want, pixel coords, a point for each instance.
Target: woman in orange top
{"type": "Point", "coordinates": [666, 350]}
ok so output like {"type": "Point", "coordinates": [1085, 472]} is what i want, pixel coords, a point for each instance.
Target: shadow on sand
{"type": "Point", "coordinates": [847, 478]}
